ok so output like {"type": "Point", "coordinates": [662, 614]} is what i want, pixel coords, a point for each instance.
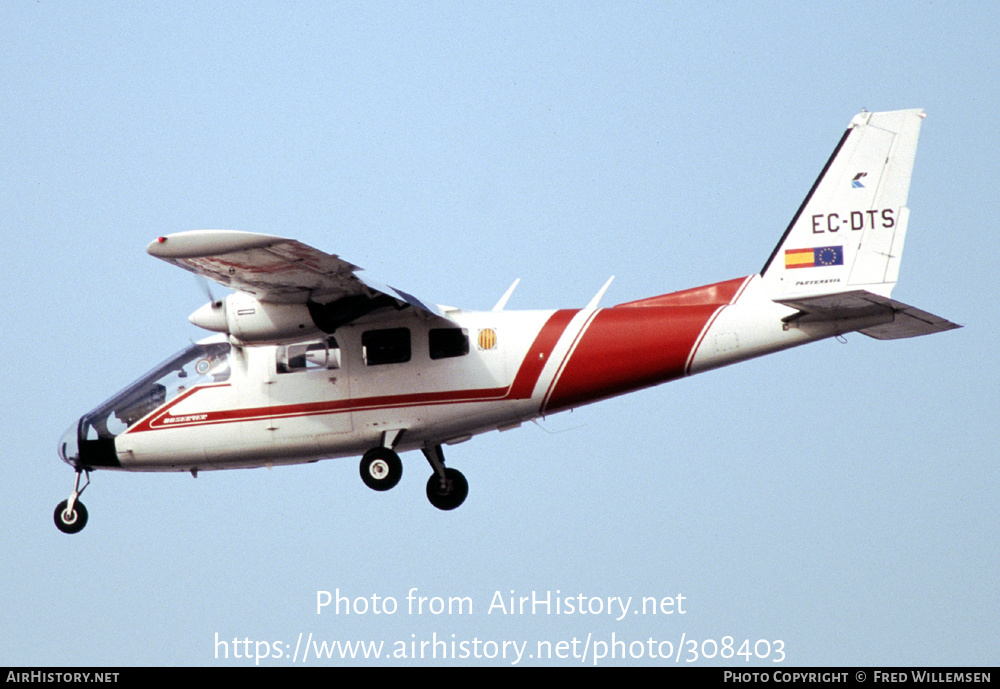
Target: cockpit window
{"type": "Point", "coordinates": [199, 364]}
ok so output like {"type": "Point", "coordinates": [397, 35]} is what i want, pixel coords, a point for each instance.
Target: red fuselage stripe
{"type": "Point", "coordinates": [639, 344]}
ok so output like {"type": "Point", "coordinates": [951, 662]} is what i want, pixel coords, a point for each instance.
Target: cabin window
{"type": "Point", "coordinates": [308, 356]}
{"type": "Point", "coordinates": [389, 346]}
{"type": "Point", "coordinates": [448, 342]}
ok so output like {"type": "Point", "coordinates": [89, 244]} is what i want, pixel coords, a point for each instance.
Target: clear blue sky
{"type": "Point", "coordinates": [840, 497]}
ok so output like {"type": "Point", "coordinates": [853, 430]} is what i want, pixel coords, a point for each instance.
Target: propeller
{"type": "Point", "coordinates": [211, 316]}
{"type": "Point", "coordinates": [207, 289]}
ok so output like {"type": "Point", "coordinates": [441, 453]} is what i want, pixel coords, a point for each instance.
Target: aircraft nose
{"type": "Point", "coordinates": [69, 447]}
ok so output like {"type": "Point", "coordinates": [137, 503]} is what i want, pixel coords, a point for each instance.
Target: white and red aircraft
{"type": "Point", "coordinates": [313, 361]}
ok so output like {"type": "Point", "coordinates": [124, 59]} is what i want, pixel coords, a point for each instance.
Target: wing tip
{"type": "Point", "coordinates": [195, 243]}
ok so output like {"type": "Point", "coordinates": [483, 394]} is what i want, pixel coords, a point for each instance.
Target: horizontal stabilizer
{"type": "Point", "coordinates": [892, 320]}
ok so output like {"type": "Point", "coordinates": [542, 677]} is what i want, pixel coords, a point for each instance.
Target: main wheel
{"type": "Point", "coordinates": [381, 468]}
{"type": "Point", "coordinates": [70, 522]}
{"type": "Point", "coordinates": [452, 493]}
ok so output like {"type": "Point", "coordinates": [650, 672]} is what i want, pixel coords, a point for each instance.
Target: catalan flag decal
{"type": "Point", "coordinates": [816, 257]}
{"type": "Point", "coordinates": [487, 338]}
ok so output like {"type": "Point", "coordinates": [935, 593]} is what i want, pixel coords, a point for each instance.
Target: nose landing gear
{"type": "Point", "coordinates": [70, 515]}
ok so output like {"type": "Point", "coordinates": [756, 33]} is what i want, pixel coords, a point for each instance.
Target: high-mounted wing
{"type": "Point", "coordinates": [280, 271]}
{"type": "Point", "coordinates": [270, 268]}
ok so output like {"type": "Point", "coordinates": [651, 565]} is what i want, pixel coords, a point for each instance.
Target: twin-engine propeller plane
{"type": "Point", "coordinates": [312, 360]}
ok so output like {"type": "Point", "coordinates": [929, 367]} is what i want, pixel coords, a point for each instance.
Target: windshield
{"type": "Point", "coordinates": [196, 365]}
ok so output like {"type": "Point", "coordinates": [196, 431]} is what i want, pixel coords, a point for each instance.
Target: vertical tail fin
{"type": "Point", "coordinates": [848, 233]}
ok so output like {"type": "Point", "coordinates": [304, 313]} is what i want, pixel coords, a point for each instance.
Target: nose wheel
{"type": "Point", "coordinates": [70, 515]}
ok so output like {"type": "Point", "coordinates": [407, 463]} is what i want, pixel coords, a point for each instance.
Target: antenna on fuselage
{"type": "Point", "coordinates": [506, 296]}
{"type": "Point", "coordinates": [600, 295]}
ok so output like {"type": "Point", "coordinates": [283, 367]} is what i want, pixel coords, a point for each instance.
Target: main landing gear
{"type": "Point", "coordinates": [70, 515]}
{"type": "Point", "coordinates": [381, 468]}
{"type": "Point", "coordinates": [447, 488]}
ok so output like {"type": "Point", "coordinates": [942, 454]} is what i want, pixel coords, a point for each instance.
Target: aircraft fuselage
{"type": "Point", "coordinates": [406, 383]}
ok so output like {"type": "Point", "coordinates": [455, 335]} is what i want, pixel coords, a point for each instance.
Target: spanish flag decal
{"type": "Point", "coordinates": [817, 257]}
{"type": "Point", "coordinates": [487, 338]}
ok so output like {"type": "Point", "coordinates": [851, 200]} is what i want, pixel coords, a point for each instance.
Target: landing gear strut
{"type": "Point", "coordinates": [446, 488]}
{"type": "Point", "coordinates": [70, 515]}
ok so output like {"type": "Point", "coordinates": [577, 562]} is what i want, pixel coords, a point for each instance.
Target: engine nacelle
{"type": "Point", "coordinates": [250, 320]}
